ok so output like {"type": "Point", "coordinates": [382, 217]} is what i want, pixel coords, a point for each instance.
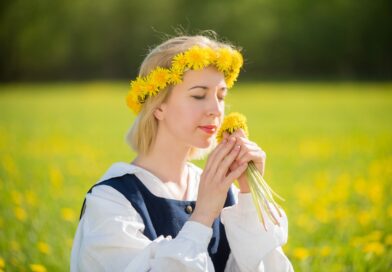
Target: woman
{"type": "Point", "coordinates": [162, 213]}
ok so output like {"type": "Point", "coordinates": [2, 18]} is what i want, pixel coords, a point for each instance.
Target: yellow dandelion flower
{"type": "Point", "coordinates": [212, 54]}
{"type": "Point", "coordinates": [374, 247]}
{"type": "Point", "coordinates": [133, 102]}
{"type": "Point", "coordinates": [160, 77]}
{"type": "Point", "coordinates": [231, 78]}
{"type": "Point", "coordinates": [237, 61]}
{"type": "Point", "coordinates": [179, 62]}
{"type": "Point", "coordinates": [20, 214]}
{"type": "Point", "coordinates": [197, 58]}
{"type": "Point", "coordinates": [2, 263]}
{"type": "Point", "coordinates": [37, 268]}
{"type": "Point", "coordinates": [68, 214]}
{"type": "Point", "coordinates": [223, 59]}
{"type": "Point", "coordinates": [137, 86]}
{"type": "Point", "coordinates": [301, 253]}
{"type": "Point", "coordinates": [231, 123]}
{"type": "Point", "coordinates": [43, 247]}
{"type": "Point", "coordinates": [151, 89]}
{"type": "Point", "coordinates": [175, 77]}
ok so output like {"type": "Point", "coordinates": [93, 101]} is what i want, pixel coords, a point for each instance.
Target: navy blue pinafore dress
{"type": "Point", "coordinates": [162, 216]}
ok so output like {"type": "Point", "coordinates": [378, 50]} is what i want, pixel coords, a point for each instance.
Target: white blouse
{"type": "Point", "coordinates": [110, 235]}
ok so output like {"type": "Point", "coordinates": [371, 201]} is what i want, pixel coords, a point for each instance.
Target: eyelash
{"type": "Point", "coordinates": [202, 97]}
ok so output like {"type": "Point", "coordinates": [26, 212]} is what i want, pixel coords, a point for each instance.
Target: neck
{"type": "Point", "coordinates": [166, 160]}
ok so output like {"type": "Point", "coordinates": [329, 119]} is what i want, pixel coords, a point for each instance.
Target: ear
{"type": "Point", "coordinates": [159, 112]}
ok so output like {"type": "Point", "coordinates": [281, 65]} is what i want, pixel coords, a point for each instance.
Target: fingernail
{"type": "Point", "coordinates": [237, 147]}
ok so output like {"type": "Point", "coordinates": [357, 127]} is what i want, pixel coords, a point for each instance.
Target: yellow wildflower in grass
{"type": "Point", "coordinates": [2, 263]}
{"type": "Point", "coordinates": [389, 211]}
{"type": "Point", "coordinates": [37, 268]}
{"type": "Point", "coordinates": [14, 246]}
{"type": "Point", "coordinates": [325, 251]}
{"type": "Point", "coordinates": [374, 236]}
{"type": "Point", "coordinates": [16, 197]}
{"type": "Point", "coordinates": [301, 253]}
{"type": "Point", "coordinates": [388, 240]}
{"type": "Point", "coordinates": [374, 247]}
{"type": "Point", "coordinates": [20, 214]}
{"type": "Point", "coordinates": [56, 177]}
{"type": "Point", "coordinates": [68, 214]}
{"type": "Point", "coordinates": [197, 58]}
{"type": "Point", "coordinates": [69, 242]}
{"type": "Point", "coordinates": [10, 166]}
{"type": "Point", "coordinates": [262, 194]}
{"type": "Point", "coordinates": [31, 198]}
{"type": "Point", "coordinates": [43, 247]}
{"type": "Point", "coordinates": [364, 218]}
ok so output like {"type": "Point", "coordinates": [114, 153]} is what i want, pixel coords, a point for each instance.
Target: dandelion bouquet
{"type": "Point", "coordinates": [262, 194]}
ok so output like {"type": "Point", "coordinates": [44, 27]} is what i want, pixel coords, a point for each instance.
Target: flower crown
{"type": "Point", "coordinates": [226, 60]}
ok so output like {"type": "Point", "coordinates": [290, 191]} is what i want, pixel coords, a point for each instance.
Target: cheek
{"type": "Point", "coordinates": [184, 117]}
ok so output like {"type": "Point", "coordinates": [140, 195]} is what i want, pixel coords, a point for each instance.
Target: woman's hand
{"type": "Point", "coordinates": [216, 179]}
{"type": "Point", "coordinates": [250, 151]}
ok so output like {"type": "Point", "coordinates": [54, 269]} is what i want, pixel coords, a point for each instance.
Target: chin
{"type": "Point", "coordinates": [209, 142]}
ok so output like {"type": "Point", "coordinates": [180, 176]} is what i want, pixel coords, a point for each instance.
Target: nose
{"type": "Point", "coordinates": [214, 107]}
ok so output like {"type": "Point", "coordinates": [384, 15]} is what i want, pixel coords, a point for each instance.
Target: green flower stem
{"type": "Point", "coordinates": [262, 195]}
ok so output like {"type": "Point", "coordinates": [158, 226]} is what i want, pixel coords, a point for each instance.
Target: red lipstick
{"type": "Point", "coordinates": [210, 129]}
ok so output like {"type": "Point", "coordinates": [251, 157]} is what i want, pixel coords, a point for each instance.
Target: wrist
{"type": "Point", "coordinates": [202, 218]}
{"type": "Point", "coordinates": [243, 184]}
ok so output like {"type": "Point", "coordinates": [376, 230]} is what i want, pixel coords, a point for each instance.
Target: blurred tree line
{"type": "Point", "coordinates": [281, 39]}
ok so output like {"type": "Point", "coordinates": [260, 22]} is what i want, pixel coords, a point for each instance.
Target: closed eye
{"type": "Point", "coordinates": [198, 97]}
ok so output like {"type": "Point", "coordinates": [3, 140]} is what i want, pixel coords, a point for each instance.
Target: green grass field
{"type": "Point", "coordinates": [329, 149]}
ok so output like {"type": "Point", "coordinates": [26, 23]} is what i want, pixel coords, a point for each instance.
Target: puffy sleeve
{"type": "Point", "coordinates": [253, 248]}
{"type": "Point", "coordinates": [110, 238]}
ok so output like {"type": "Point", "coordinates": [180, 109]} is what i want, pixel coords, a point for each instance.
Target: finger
{"type": "Point", "coordinates": [235, 174]}
{"type": "Point", "coordinates": [250, 156]}
{"type": "Point", "coordinates": [226, 162]}
{"type": "Point", "coordinates": [219, 156]}
{"type": "Point", "coordinates": [245, 148]}
{"type": "Point", "coordinates": [211, 157]}
{"type": "Point", "coordinates": [260, 164]}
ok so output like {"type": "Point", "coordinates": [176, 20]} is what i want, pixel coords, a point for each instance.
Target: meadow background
{"type": "Point", "coordinates": [329, 148]}
{"type": "Point", "coordinates": [316, 87]}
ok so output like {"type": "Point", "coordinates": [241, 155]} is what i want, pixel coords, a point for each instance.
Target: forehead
{"type": "Point", "coordinates": [209, 76]}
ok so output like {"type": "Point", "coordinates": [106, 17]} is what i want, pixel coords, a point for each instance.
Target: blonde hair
{"type": "Point", "coordinates": [141, 135]}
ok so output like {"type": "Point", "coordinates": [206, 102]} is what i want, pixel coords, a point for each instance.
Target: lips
{"type": "Point", "coordinates": [210, 129]}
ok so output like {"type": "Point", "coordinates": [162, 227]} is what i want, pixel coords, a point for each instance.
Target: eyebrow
{"type": "Point", "coordinates": [204, 88]}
